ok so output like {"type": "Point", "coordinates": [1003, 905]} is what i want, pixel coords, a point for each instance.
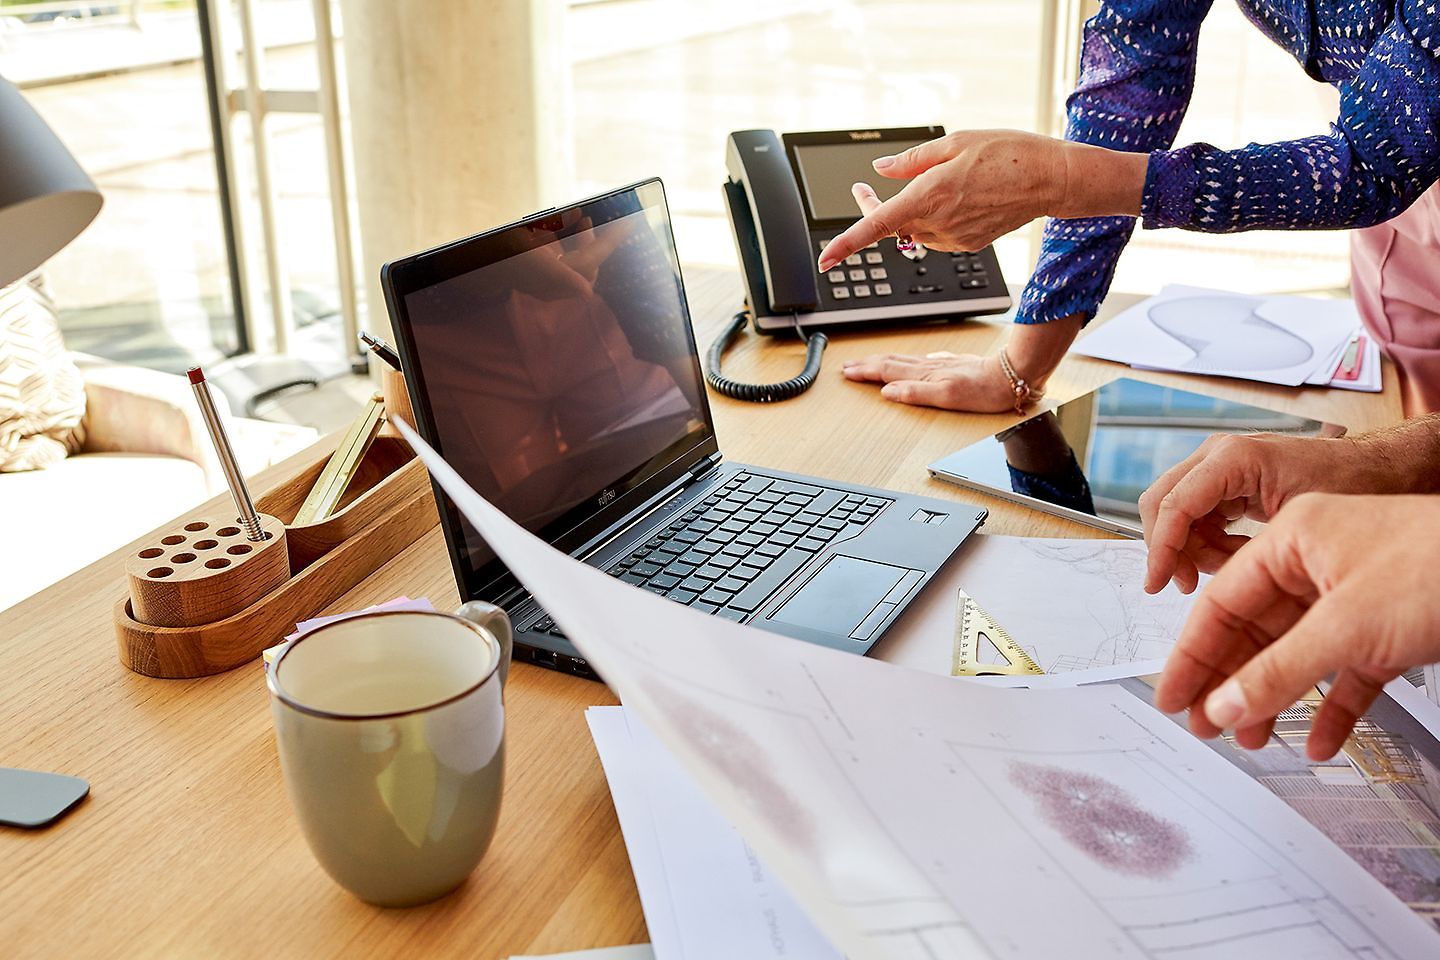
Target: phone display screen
{"type": "Point", "coordinates": [827, 171]}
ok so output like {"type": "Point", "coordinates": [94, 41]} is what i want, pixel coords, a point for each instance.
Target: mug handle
{"type": "Point", "coordinates": [494, 619]}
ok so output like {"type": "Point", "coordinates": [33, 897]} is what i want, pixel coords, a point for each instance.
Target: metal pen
{"type": "Point", "coordinates": [381, 349]}
{"type": "Point", "coordinates": [248, 518]}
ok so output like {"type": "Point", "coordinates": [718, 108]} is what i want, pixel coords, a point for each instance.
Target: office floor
{"type": "Point", "coordinates": [656, 86]}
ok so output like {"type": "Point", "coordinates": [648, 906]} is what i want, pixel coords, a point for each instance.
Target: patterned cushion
{"type": "Point", "coordinates": [42, 395]}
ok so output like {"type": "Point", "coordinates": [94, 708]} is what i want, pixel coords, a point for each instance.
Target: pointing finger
{"type": "Point", "coordinates": [884, 220]}
{"type": "Point", "coordinates": [865, 198]}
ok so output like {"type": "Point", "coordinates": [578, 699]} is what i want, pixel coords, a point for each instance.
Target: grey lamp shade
{"type": "Point", "coordinates": [45, 198]}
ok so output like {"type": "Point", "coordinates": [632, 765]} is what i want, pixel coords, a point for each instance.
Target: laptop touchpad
{"type": "Point", "coordinates": [843, 595]}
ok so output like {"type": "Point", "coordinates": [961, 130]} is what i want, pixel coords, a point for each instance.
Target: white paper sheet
{"type": "Point", "coordinates": [640, 951]}
{"type": "Point", "coordinates": [1272, 339]}
{"type": "Point", "coordinates": [896, 805]}
{"type": "Point", "coordinates": [705, 893]}
{"type": "Point", "coordinates": [1072, 604]}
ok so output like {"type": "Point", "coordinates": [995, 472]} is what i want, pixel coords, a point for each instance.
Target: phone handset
{"type": "Point", "coordinates": [770, 226]}
{"type": "Point", "coordinates": [773, 241]}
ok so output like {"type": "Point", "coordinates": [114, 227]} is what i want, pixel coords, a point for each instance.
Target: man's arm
{"type": "Point", "coordinates": [1185, 512]}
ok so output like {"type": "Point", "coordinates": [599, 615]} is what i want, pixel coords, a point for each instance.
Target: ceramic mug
{"type": "Point", "coordinates": [391, 733]}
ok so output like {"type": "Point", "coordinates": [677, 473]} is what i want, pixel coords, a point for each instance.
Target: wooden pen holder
{"type": "Point", "coordinates": [206, 571]}
{"type": "Point", "coordinates": [386, 508]}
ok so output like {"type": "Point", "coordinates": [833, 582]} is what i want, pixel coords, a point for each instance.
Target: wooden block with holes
{"type": "Point", "coordinates": [168, 625]}
{"type": "Point", "coordinates": [206, 572]}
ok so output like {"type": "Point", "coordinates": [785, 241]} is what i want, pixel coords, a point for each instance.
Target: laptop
{"type": "Point", "coordinates": [552, 363]}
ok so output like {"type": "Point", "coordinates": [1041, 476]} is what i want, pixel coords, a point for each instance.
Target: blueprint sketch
{"type": "Point", "coordinates": [1072, 604]}
{"type": "Point", "coordinates": [869, 790]}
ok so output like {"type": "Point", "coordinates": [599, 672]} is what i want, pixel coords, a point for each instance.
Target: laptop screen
{"type": "Point", "coordinates": [556, 362]}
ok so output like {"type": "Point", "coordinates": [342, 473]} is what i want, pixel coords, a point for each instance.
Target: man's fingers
{"type": "Point", "coordinates": [924, 393]}
{"type": "Point", "coordinates": [877, 224]}
{"type": "Point", "coordinates": [1210, 547]}
{"type": "Point", "coordinates": [1151, 498]}
{"type": "Point", "coordinates": [919, 158]}
{"type": "Point", "coordinates": [1280, 674]}
{"type": "Point", "coordinates": [1238, 614]}
{"type": "Point", "coordinates": [1212, 482]}
{"type": "Point", "coordinates": [1187, 575]}
{"type": "Point", "coordinates": [1346, 702]}
{"type": "Point", "coordinates": [1255, 737]}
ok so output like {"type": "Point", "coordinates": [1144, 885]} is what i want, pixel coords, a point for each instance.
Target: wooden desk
{"type": "Point", "coordinates": [187, 846]}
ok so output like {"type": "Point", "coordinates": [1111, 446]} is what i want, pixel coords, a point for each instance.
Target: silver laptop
{"type": "Point", "coordinates": [553, 364]}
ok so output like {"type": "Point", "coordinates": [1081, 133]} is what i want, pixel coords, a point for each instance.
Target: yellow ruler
{"type": "Point", "coordinates": [983, 648]}
{"type": "Point", "coordinates": [325, 496]}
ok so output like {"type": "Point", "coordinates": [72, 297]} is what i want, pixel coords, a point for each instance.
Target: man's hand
{"type": "Point", "coordinates": [944, 380]}
{"type": "Point", "coordinates": [1185, 512]}
{"type": "Point", "coordinates": [1335, 584]}
{"type": "Point", "coordinates": [968, 188]}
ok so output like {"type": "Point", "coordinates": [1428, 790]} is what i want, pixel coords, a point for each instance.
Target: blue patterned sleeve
{"type": "Point", "coordinates": [1137, 69]}
{"type": "Point", "coordinates": [1378, 158]}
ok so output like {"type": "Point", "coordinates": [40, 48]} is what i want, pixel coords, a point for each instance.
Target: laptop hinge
{"type": "Point", "coordinates": [702, 467]}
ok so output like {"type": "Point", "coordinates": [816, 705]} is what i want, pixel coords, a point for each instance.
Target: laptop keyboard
{"type": "Point", "coordinates": [734, 548]}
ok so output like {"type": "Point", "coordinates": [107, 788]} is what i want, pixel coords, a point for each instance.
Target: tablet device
{"type": "Point", "coordinates": [1091, 458]}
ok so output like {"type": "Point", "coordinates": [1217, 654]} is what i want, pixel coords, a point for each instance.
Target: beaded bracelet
{"type": "Point", "coordinates": [1024, 393]}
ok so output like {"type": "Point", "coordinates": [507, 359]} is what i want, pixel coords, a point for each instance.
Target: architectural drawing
{"type": "Point", "coordinates": [1378, 799]}
{"type": "Point", "coordinates": [1103, 820]}
{"type": "Point", "coordinates": [856, 781]}
{"type": "Point", "coordinates": [1096, 612]}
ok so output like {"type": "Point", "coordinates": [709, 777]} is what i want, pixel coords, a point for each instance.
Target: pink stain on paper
{"type": "Point", "coordinates": [1104, 821]}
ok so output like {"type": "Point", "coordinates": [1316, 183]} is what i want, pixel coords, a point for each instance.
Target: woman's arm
{"type": "Point", "coordinates": [1379, 157]}
{"type": "Point", "coordinates": [1137, 71]}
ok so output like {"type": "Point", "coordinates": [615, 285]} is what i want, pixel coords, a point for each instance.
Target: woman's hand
{"type": "Point", "coordinates": [1335, 584]}
{"type": "Point", "coordinates": [968, 188]}
{"type": "Point", "coordinates": [968, 382]}
{"type": "Point", "coordinates": [945, 380]}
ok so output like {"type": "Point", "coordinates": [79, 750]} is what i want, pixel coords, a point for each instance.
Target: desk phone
{"type": "Point", "coordinates": [788, 196]}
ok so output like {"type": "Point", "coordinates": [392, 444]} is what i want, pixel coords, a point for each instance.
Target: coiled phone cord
{"type": "Point", "coordinates": [763, 392]}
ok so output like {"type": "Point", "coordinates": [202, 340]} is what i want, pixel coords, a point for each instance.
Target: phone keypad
{"type": "Point", "coordinates": [878, 271]}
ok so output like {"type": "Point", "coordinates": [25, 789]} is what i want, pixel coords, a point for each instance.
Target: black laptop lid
{"type": "Point", "coordinates": [552, 363]}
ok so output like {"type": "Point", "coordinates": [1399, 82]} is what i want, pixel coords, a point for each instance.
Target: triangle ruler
{"type": "Point", "coordinates": [983, 648]}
